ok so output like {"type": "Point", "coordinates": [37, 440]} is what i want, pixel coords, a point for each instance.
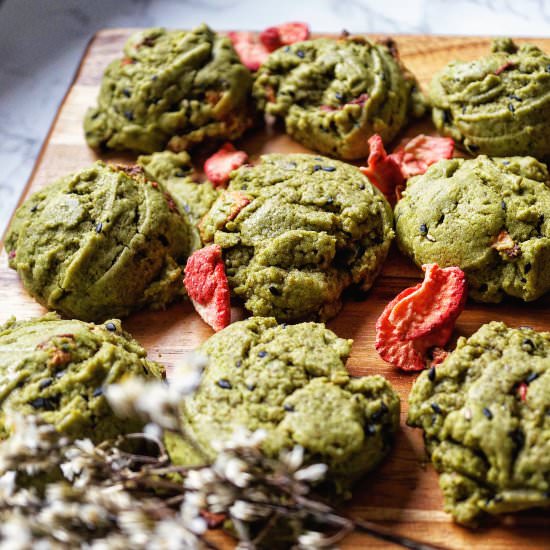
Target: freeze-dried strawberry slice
{"type": "Point", "coordinates": [250, 50]}
{"type": "Point", "coordinates": [289, 33]}
{"type": "Point", "coordinates": [206, 284]}
{"type": "Point", "coordinates": [414, 156]}
{"type": "Point", "coordinates": [271, 38]}
{"type": "Point", "coordinates": [218, 167]}
{"type": "Point", "coordinates": [421, 317]}
{"type": "Point", "coordinates": [382, 170]}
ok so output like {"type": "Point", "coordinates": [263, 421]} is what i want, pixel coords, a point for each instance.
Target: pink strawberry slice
{"type": "Point", "coordinates": [219, 166]}
{"type": "Point", "coordinates": [206, 284]}
{"type": "Point", "coordinates": [250, 50]}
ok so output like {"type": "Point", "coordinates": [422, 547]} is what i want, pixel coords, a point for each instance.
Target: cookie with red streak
{"type": "Point", "coordinates": [206, 284]}
{"type": "Point", "coordinates": [218, 167]}
{"type": "Point", "coordinates": [421, 317]}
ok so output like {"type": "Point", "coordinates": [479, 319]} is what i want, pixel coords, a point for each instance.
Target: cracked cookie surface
{"type": "Point", "coordinates": [488, 216]}
{"type": "Point", "coordinates": [291, 381]}
{"type": "Point", "coordinates": [99, 243]}
{"type": "Point", "coordinates": [485, 412]}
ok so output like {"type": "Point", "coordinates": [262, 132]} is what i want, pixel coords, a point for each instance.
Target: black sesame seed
{"type": "Point", "coordinates": [287, 49]}
{"type": "Point", "coordinates": [362, 186]}
{"type": "Point", "coordinates": [275, 291]}
{"type": "Point", "coordinates": [187, 208]}
{"type": "Point", "coordinates": [464, 110]}
{"type": "Point", "coordinates": [154, 77]}
{"type": "Point", "coordinates": [262, 353]}
{"type": "Point", "coordinates": [514, 96]}
{"type": "Point", "coordinates": [111, 327]}
{"type": "Point", "coordinates": [436, 408]}
{"type": "Point", "coordinates": [45, 383]}
{"type": "Point", "coordinates": [487, 413]}
{"type": "Point", "coordinates": [45, 403]}
{"type": "Point", "coordinates": [423, 229]}
{"type": "Point", "coordinates": [316, 167]}
{"type": "Point", "coordinates": [531, 377]}
{"type": "Point", "coordinates": [97, 392]}
{"type": "Point", "coordinates": [225, 384]}
{"type": "Point", "coordinates": [129, 115]}
{"type": "Point", "coordinates": [330, 200]}
{"type": "Point", "coordinates": [328, 168]}
{"type": "Point", "coordinates": [431, 374]}
{"type": "Point", "coordinates": [300, 54]}
{"type": "Point", "coordinates": [98, 227]}
{"type": "Point", "coordinates": [180, 174]}
{"type": "Point", "coordinates": [127, 92]}
{"type": "Point", "coordinates": [34, 208]}
{"type": "Point", "coordinates": [239, 363]}
{"type": "Point", "coordinates": [60, 373]}
{"type": "Point", "coordinates": [527, 267]}
{"type": "Point", "coordinates": [289, 408]}
{"type": "Point", "coordinates": [251, 387]}
{"type": "Point", "coordinates": [503, 205]}
{"type": "Point", "coordinates": [338, 96]}
{"type": "Point", "coordinates": [511, 107]}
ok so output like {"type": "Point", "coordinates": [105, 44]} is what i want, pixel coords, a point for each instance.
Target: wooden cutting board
{"type": "Point", "coordinates": [403, 493]}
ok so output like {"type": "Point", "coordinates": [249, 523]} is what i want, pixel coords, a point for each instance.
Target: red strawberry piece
{"type": "Point", "coordinates": [213, 520]}
{"type": "Point", "coordinates": [270, 38]}
{"type": "Point", "coordinates": [438, 356]}
{"type": "Point", "coordinates": [250, 50]}
{"type": "Point", "coordinates": [421, 317]}
{"type": "Point", "coordinates": [383, 170]}
{"type": "Point", "coordinates": [289, 33]}
{"type": "Point", "coordinates": [218, 167]}
{"type": "Point", "coordinates": [206, 284]}
{"type": "Point", "coordinates": [505, 67]}
{"type": "Point", "coordinates": [414, 156]}
{"type": "Point", "coordinates": [238, 202]}
{"type": "Point", "coordinates": [361, 100]}
{"type": "Point", "coordinates": [522, 391]}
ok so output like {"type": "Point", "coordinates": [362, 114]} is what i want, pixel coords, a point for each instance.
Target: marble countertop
{"type": "Point", "coordinates": [41, 42]}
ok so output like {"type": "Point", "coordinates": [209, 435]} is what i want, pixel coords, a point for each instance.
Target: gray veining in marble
{"type": "Point", "coordinates": [41, 42]}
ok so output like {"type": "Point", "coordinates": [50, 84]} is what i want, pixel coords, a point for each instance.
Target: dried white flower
{"type": "Point", "coordinates": [311, 540]}
{"type": "Point", "coordinates": [293, 458]}
{"type": "Point", "coordinates": [312, 473]}
{"type": "Point", "coordinates": [247, 511]}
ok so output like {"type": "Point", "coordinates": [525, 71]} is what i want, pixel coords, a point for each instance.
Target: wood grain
{"type": "Point", "coordinates": [403, 493]}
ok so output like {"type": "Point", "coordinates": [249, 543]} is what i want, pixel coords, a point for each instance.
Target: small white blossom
{"type": "Point", "coordinates": [311, 540]}
{"type": "Point", "coordinates": [185, 377]}
{"type": "Point", "coordinates": [312, 473]}
{"type": "Point", "coordinates": [294, 458]}
{"type": "Point", "coordinates": [247, 511]}
{"type": "Point", "coordinates": [152, 430]}
{"type": "Point", "coordinates": [7, 484]}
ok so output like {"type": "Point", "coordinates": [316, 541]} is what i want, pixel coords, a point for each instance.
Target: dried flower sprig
{"type": "Point", "coordinates": [57, 493]}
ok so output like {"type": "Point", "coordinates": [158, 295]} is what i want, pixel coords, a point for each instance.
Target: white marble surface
{"type": "Point", "coordinates": [41, 42]}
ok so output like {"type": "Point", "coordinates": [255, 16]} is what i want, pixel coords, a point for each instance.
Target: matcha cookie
{"type": "Point", "coordinates": [57, 369]}
{"type": "Point", "coordinates": [175, 173]}
{"type": "Point", "coordinates": [485, 415]}
{"type": "Point", "coordinates": [490, 217]}
{"type": "Point", "coordinates": [291, 381]}
{"type": "Point", "coordinates": [99, 243]}
{"type": "Point", "coordinates": [498, 105]}
{"type": "Point", "coordinates": [334, 94]}
{"type": "Point", "coordinates": [295, 231]}
{"type": "Point", "coordinates": [171, 89]}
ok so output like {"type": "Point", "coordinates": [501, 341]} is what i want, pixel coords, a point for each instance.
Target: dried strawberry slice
{"type": "Point", "coordinates": [414, 156]}
{"type": "Point", "coordinates": [206, 284]}
{"type": "Point", "coordinates": [271, 38]}
{"type": "Point", "coordinates": [421, 317]}
{"type": "Point", "coordinates": [505, 67]}
{"type": "Point", "coordinates": [289, 33]}
{"type": "Point", "coordinates": [382, 170]}
{"type": "Point", "coordinates": [250, 50]}
{"type": "Point", "coordinates": [218, 167]}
